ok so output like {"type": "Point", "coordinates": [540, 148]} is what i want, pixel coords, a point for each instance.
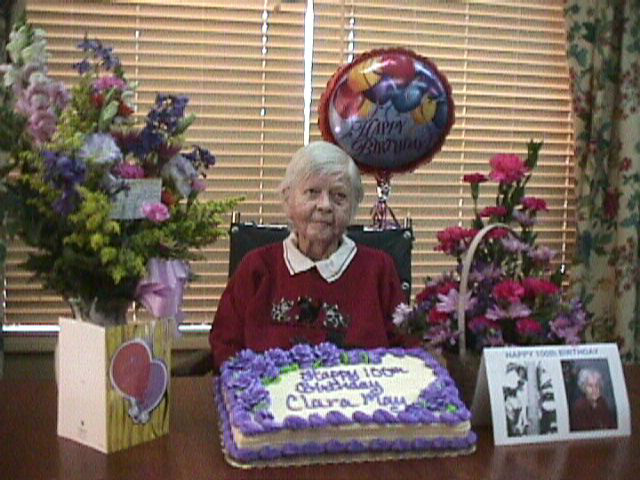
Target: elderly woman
{"type": "Point", "coordinates": [591, 411]}
{"type": "Point", "coordinates": [316, 285]}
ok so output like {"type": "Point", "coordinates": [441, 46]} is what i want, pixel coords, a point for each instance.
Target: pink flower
{"type": "Point", "coordinates": [198, 185]}
{"type": "Point", "coordinates": [109, 82]}
{"type": "Point", "coordinates": [528, 327]}
{"type": "Point", "coordinates": [156, 212]}
{"type": "Point", "coordinates": [534, 286]}
{"type": "Point", "coordinates": [508, 290]}
{"type": "Point", "coordinates": [534, 204]}
{"type": "Point", "coordinates": [475, 178]}
{"type": "Point", "coordinates": [498, 211]}
{"type": "Point", "coordinates": [507, 168]}
{"type": "Point", "coordinates": [126, 170]}
{"type": "Point", "coordinates": [40, 103]}
{"type": "Point", "coordinates": [42, 125]}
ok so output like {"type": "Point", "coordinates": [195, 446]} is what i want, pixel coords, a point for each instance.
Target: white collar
{"type": "Point", "coordinates": [330, 269]}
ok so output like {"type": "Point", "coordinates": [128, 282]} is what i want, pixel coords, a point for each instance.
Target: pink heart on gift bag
{"type": "Point", "coordinates": [157, 385]}
{"type": "Point", "coordinates": [130, 369]}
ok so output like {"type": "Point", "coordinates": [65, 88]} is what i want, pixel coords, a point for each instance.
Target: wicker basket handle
{"type": "Point", "coordinates": [464, 280]}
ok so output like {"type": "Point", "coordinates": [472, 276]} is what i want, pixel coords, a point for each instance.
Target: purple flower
{"type": "Point", "coordinates": [542, 255]}
{"type": "Point", "coordinates": [514, 245]}
{"type": "Point", "coordinates": [524, 218]}
{"type": "Point", "coordinates": [328, 354]}
{"type": "Point", "coordinates": [156, 212]}
{"type": "Point", "coordinates": [278, 357]}
{"type": "Point", "coordinates": [238, 379]}
{"type": "Point", "coordinates": [449, 303]}
{"type": "Point", "coordinates": [201, 158]}
{"type": "Point", "coordinates": [253, 395]}
{"type": "Point", "coordinates": [570, 326]}
{"type": "Point", "coordinates": [488, 272]}
{"type": "Point", "coordinates": [303, 354]}
{"type": "Point", "coordinates": [167, 113]}
{"type": "Point", "coordinates": [64, 173]}
{"type": "Point", "coordinates": [263, 367]}
{"type": "Point", "coordinates": [241, 361]}
{"type": "Point", "coordinates": [95, 49]}
{"type": "Point", "coordinates": [514, 310]}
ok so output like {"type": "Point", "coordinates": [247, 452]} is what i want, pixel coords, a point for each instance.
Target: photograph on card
{"type": "Point", "coordinates": [529, 399]}
{"type": "Point", "coordinates": [590, 395]}
{"type": "Point", "coordinates": [546, 393]}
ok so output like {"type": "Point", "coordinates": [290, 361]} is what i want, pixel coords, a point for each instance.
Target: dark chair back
{"type": "Point", "coordinates": [398, 242]}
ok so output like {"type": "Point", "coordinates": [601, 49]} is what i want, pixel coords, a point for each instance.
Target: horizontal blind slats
{"type": "Point", "coordinates": [505, 62]}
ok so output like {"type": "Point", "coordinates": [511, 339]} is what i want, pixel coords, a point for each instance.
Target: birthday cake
{"type": "Point", "coordinates": [321, 404]}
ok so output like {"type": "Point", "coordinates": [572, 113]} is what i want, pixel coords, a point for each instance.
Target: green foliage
{"type": "Point", "coordinates": [81, 250]}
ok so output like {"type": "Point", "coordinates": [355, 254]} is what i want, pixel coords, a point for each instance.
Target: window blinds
{"type": "Point", "coordinates": [506, 64]}
{"type": "Point", "coordinates": [242, 65]}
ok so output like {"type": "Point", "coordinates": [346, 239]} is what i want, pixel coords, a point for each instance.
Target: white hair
{"type": "Point", "coordinates": [588, 373]}
{"type": "Point", "coordinates": [323, 158]}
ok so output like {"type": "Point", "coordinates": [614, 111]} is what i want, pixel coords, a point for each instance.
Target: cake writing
{"type": "Point", "coordinates": [357, 386]}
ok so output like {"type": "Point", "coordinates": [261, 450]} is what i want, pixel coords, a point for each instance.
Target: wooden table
{"type": "Point", "coordinates": [30, 448]}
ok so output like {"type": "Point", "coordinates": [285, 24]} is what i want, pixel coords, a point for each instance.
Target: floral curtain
{"type": "Point", "coordinates": [604, 59]}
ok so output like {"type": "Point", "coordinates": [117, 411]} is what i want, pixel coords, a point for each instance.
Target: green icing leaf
{"type": "Point", "coordinates": [289, 368]}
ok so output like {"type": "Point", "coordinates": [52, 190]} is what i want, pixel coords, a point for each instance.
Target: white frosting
{"type": "Point", "coordinates": [390, 385]}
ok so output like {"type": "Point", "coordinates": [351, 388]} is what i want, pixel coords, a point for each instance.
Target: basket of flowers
{"type": "Point", "coordinates": [504, 289]}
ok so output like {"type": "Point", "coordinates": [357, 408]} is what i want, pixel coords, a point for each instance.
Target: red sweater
{"type": "Point", "coordinates": [264, 307]}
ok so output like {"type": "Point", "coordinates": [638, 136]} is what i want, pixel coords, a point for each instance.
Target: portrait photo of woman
{"type": "Point", "coordinates": [589, 395]}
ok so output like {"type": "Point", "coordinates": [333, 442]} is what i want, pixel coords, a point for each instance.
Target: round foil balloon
{"type": "Point", "coordinates": [389, 109]}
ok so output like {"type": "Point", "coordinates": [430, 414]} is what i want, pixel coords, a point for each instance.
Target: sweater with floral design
{"type": "Point", "coordinates": [264, 306]}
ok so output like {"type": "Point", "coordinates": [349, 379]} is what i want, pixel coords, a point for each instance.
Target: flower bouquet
{"type": "Point", "coordinates": [503, 290]}
{"type": "Point", "coordinates": [112, 208]}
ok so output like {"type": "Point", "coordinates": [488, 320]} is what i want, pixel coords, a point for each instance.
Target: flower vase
{"type": "Point", "coordinates": [100, 312]}
{"type": "Point", "coordinates": [113, 382]}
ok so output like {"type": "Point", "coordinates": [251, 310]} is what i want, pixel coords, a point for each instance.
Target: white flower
{"type": "Point", "coordinates": [100, 148]}
{"type": "Point", "coordinates": [400, 314]}
{"type": "Point", "coordinates": [181, 172]}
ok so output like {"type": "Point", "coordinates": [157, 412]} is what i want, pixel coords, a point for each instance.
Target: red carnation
{"type": "Point", "coordinates": [508, 290]}
{"type": "Point", "coordinates": [475, 178]}
{"type": "Point", "coordinates": [437, 318]}
{"type": "Point", "coordinates": [539, 286]}
{"type": "Point", "coordinates": [534, 204]}
{"type": "Point", "coordinates": [528, 326]}
{"type": "Point", "coordinates": [507, 168]}
{"type": "Point", "coordinates": [497, 233]}
{"type": "Point", "coordinates": [498, 211]}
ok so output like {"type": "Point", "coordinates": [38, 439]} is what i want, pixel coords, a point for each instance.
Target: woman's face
{"type": "Point", "coordinates": [319, 209]}
{"type": "Point", "coordinates": [592, 389]}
